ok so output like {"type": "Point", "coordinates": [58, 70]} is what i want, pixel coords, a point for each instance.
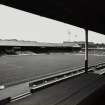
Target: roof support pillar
{"type": "Point", "coordinates": [86, 50]}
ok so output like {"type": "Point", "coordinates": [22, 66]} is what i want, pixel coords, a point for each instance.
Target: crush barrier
{"type": "Point", "coordinates": [20, 96]}
{"type": "Point", "coordinates": [37, 84]}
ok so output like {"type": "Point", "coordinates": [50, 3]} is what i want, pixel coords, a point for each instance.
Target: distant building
{"type": "Point", "coordinates": [73, 44]}
{"type": "Point", "coordinates": [14, 42]}
{"type": "Point", "coordinates": [82, 44]}
{"type": "Point", "coordinates": [12, 46]}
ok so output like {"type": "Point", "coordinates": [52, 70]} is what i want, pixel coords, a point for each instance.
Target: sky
{"type": "Point", "coordinates": [21, 25]}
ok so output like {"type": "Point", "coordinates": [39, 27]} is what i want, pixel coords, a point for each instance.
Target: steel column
{"type": "Point", "coordinates": [86, 50]}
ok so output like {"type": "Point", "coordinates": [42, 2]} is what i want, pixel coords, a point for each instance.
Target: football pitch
{"type": "Point", "coordinates": [26, 67]}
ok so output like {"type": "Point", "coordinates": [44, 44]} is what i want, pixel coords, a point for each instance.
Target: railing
{"type": "Point", "coordinates": [37, 84]}
{"type": "Point", "coordinates": [97, 66]}
{"type": "Point", "coordinates": [46, 81]}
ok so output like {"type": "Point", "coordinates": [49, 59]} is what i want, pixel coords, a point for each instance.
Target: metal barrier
{"type": "Point", "coordinates": [20, 96]}
{"type": "Point", "coordinates": [97, 66]}
{"type": "Point", "coordinates": [37, 84]}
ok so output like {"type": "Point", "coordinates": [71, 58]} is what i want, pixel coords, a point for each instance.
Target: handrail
{"type": "Point", "coordinates": [55, 75]}
{"type": "Point", "coordinates": [61, 76]}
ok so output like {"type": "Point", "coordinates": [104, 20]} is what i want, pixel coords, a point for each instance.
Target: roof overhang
{"type": "Point", "coordinates": [88, 14]}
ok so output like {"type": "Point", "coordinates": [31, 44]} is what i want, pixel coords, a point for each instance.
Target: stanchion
{"type": "Point", "coordinates": [86, 50]}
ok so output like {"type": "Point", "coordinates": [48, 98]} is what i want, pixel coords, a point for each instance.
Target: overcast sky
{"type": "Point", "coordinates": [17, 24]}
